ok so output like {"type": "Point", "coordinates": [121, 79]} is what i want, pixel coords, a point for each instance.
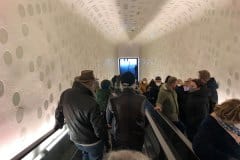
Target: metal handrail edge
{"type": "Point", "coordinates": [177, 131]}
{"type": "Point", "coordinates": [168, 152]}
{"type": "Point", "coordinates": [30, 148]}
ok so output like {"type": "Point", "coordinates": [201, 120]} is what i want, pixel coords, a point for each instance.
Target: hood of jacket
{"type": "Point", "coordinates": [165, 88]}
{"type": "Point", "coordinates": [212, 84]}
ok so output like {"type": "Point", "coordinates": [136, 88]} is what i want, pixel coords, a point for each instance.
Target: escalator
{"type": "Point", "coordinates": [163, 141]}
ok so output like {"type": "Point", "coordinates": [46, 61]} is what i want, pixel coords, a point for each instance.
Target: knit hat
{"type": "Point", "coordinates": [105, 84]}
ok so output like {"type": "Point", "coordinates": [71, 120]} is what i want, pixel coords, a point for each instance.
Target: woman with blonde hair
{"type": "Point", "coordinates": [219, 135]}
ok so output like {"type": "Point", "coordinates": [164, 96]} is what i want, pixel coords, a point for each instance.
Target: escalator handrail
{"type": "Point", "coordinates": [168, 152]}
{"type": "Point", "coordinates": [188, 144]}
{"type": "Point", "coordinates": [34, 145]}
{"type": "Point", "coordinates": [177, 131]}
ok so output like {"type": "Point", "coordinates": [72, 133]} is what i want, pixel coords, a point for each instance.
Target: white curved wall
{"type": "Point", "coordinates": [210, 42]}
{"type": "Point", "coordinates": [43, 46]}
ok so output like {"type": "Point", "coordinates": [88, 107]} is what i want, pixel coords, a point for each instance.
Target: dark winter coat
{"type": "Point", "coordinates": [196, 107]}
{"type": "Point", "coordinates": [152, 93]}
{"type": "Point", "coordinates": [82, 115]}
{"type": "Point", "coordinates": [212, 142]}
{"type": "Point", "coordinates": [102, 96]}
{"type": "Point", "coordinates": [182, 98]}
{"type": "Point", "coordinates": [213, 86]}
{"type": "Point", "coordinates": [126, 115]}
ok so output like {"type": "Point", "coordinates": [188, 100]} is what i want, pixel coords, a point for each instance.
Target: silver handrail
{"type": "Point", "coordinates": [177, 131]}
{"type": "Point", "coordinates": [168, 152]}
{"type": "Point", "coordinates": [27, 150]}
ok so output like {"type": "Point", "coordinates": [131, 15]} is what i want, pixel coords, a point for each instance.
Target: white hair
{"type": "Point", "coordinates": [126, 155]}
{"type": "Point", "coordinates": [123, 85]}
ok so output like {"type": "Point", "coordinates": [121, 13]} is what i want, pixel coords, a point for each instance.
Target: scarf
{"type": "Point", "coordinates": [229, 127]}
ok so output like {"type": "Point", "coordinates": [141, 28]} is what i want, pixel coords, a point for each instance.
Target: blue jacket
{"type": "Point", "coordinates": [212, 142]}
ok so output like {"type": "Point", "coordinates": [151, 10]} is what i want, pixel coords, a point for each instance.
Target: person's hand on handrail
{"type": "Point", "coordinates": [109, 126]}
{"type": "Point", "coordinates": [158, 107]}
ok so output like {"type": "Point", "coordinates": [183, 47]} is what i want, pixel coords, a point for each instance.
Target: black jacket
{"type": "Point", "coordinates": [152, 93]}
{"type": "Point", "coordinates": [126, 114]}
{"type": "Point", "coordinates": [82, 115]}
{"type": "Point", "coordinates": [196, 107]}
{"type": "Point", "coordinates": [213, 86]}
{"type": "Point", "coordinates": [212, 142]}
{"type": "Point", "coordinates": [182, 98]}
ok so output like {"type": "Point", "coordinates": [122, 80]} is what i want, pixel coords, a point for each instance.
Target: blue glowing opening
{"type": "Point", "coordinates": [128, 64]}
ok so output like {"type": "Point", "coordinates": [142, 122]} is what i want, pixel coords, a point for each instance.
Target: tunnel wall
{"type": "Point", "coordinates": [210, 42]}
{"type": "Point", "coordinates": [43, 46]}
{"type": "Point", "coordinates": [128, 50]}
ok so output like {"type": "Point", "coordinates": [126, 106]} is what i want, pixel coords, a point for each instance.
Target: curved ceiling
{"type": "Point", "coordinates": [140, 20]}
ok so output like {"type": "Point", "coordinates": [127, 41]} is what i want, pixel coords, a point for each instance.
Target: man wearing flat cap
{"type": "Point", "coordinates": [79, 109]}
{"type": "Point", "coordinates": [125, 113]}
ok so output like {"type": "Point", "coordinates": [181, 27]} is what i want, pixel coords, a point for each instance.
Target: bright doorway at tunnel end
{"type": "Point", "coordinates": [129, 64]}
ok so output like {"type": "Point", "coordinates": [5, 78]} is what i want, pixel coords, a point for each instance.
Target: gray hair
{"type": "Point", "coordinates": [126, 155]}
{"type": "Point", "coordinates": [171, 80]}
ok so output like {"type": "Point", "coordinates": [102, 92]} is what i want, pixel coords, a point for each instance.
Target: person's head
{"type": "Point", "coordinates": [127, 79]}
{"type": "Point", "coordinates": [195, 84]}
{"type": "Point", "coordinates": [172, 82]}
{"type": "Point", "coordinates": [144, 81]}
{"type": "Point", "coordinates": [105, 84]}
{"type": "Point", "coordinates": [87, 78]}
{"type": "Point", "coordinates": [114, 79]}
{"type": "Point", "coordinates": [187, 84]}
{"type": "Point", "coordinates": [229, 111]}
{"type": "Point", "coordinates": [166, 79]}
{"type": "Point", "coordinates": [158, 80]}
{"type": "Point", "coordinates": [204, 75]}
{"type": "Point", "coordinates": [126, 155]}
{"type": "Point", "coordinates": [152, 83]}
{"type": "Point", "coordinates": [179, 82]}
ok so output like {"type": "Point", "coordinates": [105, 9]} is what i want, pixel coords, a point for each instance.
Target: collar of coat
{"type": "Point", "coordinates": [166, 88]}
{"type": "Point", "coordinates": [128, 90]}
{"type": "Point", "coordinates": [83, 88]}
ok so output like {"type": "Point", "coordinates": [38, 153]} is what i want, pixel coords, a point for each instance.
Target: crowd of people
{"type": "Point", "coordinates": [111, 116]}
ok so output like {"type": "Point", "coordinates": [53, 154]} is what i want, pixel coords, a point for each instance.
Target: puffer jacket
{"type": "Point", "coordinates": [82, 115]}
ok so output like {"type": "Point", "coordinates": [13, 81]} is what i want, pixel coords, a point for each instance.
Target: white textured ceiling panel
{"type": "Point", "coordinates": [141, 20]}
